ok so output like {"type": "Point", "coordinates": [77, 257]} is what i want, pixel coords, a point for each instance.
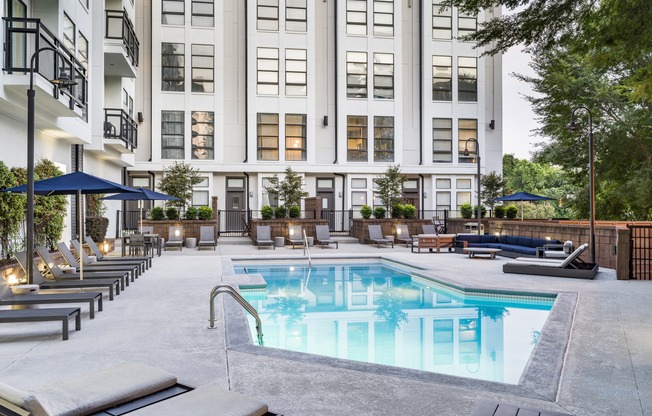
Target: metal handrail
{"type": "Point", "coordinates": [226, 288]}
{"type": "Point", "coordinates": [306, 248]}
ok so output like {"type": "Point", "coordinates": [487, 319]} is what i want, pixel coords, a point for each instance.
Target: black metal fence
{"type": "Point", "coordinates": [640, 255]}
{"type": "Point", "coordinates": [126, 221]}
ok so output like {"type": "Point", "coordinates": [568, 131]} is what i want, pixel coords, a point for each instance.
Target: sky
{"type": "Point", "coordinates": [518, 118]}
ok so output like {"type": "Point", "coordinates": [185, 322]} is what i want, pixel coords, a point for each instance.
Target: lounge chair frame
{"type": "Point", "coordinates": [376, 236]}
{"type": "Point", "coordinates": [323, 236]}
{"type": "Point", "coordinates": [572, 266]}
{"type": "Point", "coordinates": [207, 237]}
{"type": "Point", "coordinates": [174, 240]}
{"type": "Point", "coordinates": [402, 236]}
{"type": "Point", "coordinates": [133, 269]}
{"type": "Point", "coordinates": [39, 315]}
{"type": "Point", "coordinates": [56, 298]}
{"type": "Point", "coordinates": [145, 261]}
{"type": "Point", "coordinates": [295, 236]}
{"type": "Point", "coordinates": [263, 236]}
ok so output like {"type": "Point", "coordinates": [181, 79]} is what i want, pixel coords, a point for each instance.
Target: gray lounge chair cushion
{"type": "Point", "coordinates": [206, 400]}
{"type": "Point", "coordinates": [91, 392]}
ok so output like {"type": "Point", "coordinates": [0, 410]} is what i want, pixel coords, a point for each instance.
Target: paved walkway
{"type": "Point", "coordinates": [162, 320]}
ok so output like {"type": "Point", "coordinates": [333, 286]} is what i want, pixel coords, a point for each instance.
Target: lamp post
{"type": "Point", "coordinates": [31, 93]}
{"type": "Point", "coordinates": [466, 153]}
{"type": "Point", "coordinates": [572, 127]}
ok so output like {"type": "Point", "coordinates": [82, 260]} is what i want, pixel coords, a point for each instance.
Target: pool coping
{"type": "Point", "coordinates": [540, 379]}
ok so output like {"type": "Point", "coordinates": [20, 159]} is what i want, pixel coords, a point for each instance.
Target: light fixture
{"type": "Point", "coordinates": [176, 232]}
{"type": "Point", "coordinates": [425, 195]}
{"type": "Point", "coordinates": [251, 194]}
{"type": "Point", "coordinates": [106, 247]}
{"type": "Point", "coordinates": [12, 280]}
{"type": "Point", "coordinates": [398, 230]}
{"type": "Point", "coordinates": [291, 231]}
{"type": "Point", "coordinates": [340, 194]}
{"type": "Point", "coordinates": [548, 238]}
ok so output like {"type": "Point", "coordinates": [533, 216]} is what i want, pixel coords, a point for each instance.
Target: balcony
{"type": "Point", "coordinates": [121, 45]}
{"type": "Point", "coordinates": [120, 130]}
{"type": "Point", "coordinates": [23, 38]}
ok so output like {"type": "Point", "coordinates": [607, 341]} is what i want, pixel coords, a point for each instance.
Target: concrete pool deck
{"type": "Point", "coordinates": [162, 320]}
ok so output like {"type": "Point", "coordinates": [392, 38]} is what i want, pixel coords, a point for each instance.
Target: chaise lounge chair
{"type": "Point", "coordinates": [57, 274]}
{"type": "Point", "coordinates": [323, 237]}
{"type": "Point", "coordinates": [376, 236]}
{"type": "Point", "coordinates": [47, 314]}
{"type": "Point", "coordinates": [7, 298]}
{"type": "Point", "coordinates": [133, 269]}
{"type": "Point", "coordinates": [121, 389]}
{"type": "Point", "coordinates": [572, 266]}
{"type": "Point", "coordinates": [144, 262]}
{"type": "Point", "coordinates": [295, 236]}
{"type": "Point", "coordinates": [175, 238]}
{"type": "Point", "coordinates": [403, 235]}
{"type": "Point", "coordinates": [264, 236]}
{"type": "Point", "coordinates": [113, 285]}
{"type": "Point", "coordinates": [207, 237]}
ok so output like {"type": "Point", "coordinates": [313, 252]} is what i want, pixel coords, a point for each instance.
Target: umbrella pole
{"type": "Point", "coordinates": [140, 215]}
{"type": "Point", "coordinates": [80, 224]}
{"type": "Point", "coordinates": [521, 210]}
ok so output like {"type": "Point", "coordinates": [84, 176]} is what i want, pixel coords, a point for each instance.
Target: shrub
{"type": "Point", "coordinates": [295, 211]}
{"type": "Point", "coordinates": [172, 213]}
{"type": "Point", "coordinates": [409, 211]}
{"type": "Point", "coordinates": [466, 210]}
{"type": "Point", "coordinates": [267, 212]}
{"type": "Point", "coordinates": [205, 213]}
{"type": "Point", "coordinates": [397, 210]}
{"type": "Point", "coordinates": [511, 211]}
{"type": "Point", "coordinates": [280, 212]}
{"type": "Point", "coordinates": [96, 227]}
{"type": "Point", "coordinates": [157, 213]}
{"type": "Point", "coordinates": [499, 211]}
{"type": "Point", "coordinates": [191, 213]}
{"type": "Point", "coordinates": [379, 212]}
{"type": "Point", "coordinates": [483, 211]}
{"type": "Point", "coordinates": [366, 212]}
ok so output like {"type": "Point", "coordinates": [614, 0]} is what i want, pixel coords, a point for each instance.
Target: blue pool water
{"type": "Point", "coordinates": [380, 314]}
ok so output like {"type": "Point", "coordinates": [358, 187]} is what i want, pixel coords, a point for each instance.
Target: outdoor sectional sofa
{"type": "Point", "coordinates": [511, 246]}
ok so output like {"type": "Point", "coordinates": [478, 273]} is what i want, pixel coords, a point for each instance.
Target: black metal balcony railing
{"type": "Point", "coordinates": [25, 36]}
{"type": "Point", "coordinates": [119, 26]}
{"type": "Point", "coordinates": [119, 125]}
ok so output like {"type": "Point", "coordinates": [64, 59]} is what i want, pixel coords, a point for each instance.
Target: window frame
{"type": "Point", "coordinates": [176, 57]}
{"type": "Point", "coordinates": [202, 139]}
{"type": "Point", "coordinates": [69, 34]}
{"type": "Point", "coordinates": [379, 68]}
{"type": "Point", "coordinates": [302, 137]}
{"type": "Point", "coordinates": [356, 27]}
{"type": "Point", "coordinates": [202, 15]}
{"type": "Point", "coordinates": [301, 23]}
{"type": "Point", "coordinates": [176, 15]}
{"type": "Point", "coordinates": [465, 17]}
{"type": "Point", "coordinates": [196, 68]}
{"type": "Point", "coordinates": [470, 78]}
{"type": "Point", "coordinates": [357, 149]}
{"type": "Point", "coordinates": [384, 154]}
{"type": "Point", "coordinates": [295, 64]}
{"type": "Point", "coordinates": [465, 133]}
{"type": "Point", "coordinates": [442, 16]}
{"type": "Point", "coordinates": [383, 28]}
{"type": "Point", "coordinates": [274, 61]}
{"type": "Point", "coordinates": [351, 65]}
{"type": "Point", "coordinates": [442, 94]}
{"type": "Point", "coordinates": [262, 149]}
{"type": "Point", "coordinates": [177, 133]}
{"type": "Point", "coordinates": [438, 139]}
{"type": "Point", "coordinates": [269, 5]}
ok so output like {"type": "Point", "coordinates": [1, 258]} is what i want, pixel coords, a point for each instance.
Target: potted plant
{"type": "Point", "coordinates": [366, 212]}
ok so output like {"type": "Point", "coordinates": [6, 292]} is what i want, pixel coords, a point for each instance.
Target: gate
{"type": "Point", "coordinates": [640, 252]}
{"type": "Point", "coordinates": [233, 222]}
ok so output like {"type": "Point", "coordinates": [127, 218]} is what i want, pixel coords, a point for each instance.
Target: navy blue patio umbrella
{"type": "Point", "coordinates": [142, 194]}
{"type": "Point", "coordinates": [523, 196]}
{"type": "Point", "coordinates": [75, 183]}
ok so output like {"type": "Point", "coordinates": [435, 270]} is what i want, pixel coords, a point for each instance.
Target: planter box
{"type": "Point", "coordinates": [190, 227]}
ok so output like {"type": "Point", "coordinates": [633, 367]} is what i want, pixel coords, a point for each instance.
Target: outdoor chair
{"type": "Point", "coordinates": [144, 261]}
{"type": "Point", "coordinates": [428, 229]}
{"type": "Point", "coordinates": [402, 235]}
{"type": "Point", "coordinates": [264, 236]}
{"type": "Point", "coordinates": [572, 266]}
{"type": "Point", "coordinates": [46, 314]}
{"type": "Point", "coordinates": [376, 236]}
{"type": "Point", "coordinates": [175, 238]}
{"type": "Point", "coordinates": [113, 285]}
{"type": "Point", "coordinates": [206, 237]}
{"type": "Point", "coordinates": [295, 236]}
{"type": "Point", "coordinates": [147, 229]}
{"type": "Point", "coordinates": [136, 245]}
{"type": "Point", "coordinates": [323, 237]}
{"type": "Point", "coordinates": [133, 269]}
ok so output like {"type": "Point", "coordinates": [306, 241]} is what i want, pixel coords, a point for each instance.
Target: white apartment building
{"type": "Point", "coordinates": [339, 90]}
{"type": "Point", "coordinates": [89, 126]}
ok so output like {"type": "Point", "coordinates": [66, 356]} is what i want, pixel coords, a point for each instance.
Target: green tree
{"type": "Point", "coordinates": [178, 180]}
{"type": "Point", "coordinates": [11, 213]}
{"type": "Point", "coordinates": [389, 187]}
{"type": "Point", "coordinates": [289, 190]}
{"type": "Point", "coordinates": [492, 188]}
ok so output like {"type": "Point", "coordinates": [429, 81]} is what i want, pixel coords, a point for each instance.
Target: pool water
{"type": "Point", "coordinates": [380, 314]}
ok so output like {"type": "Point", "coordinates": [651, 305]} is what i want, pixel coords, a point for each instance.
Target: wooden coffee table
{"type": "Point", "coordinates": [481, 252]}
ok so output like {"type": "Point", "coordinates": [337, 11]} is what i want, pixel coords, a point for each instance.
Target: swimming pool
{"type": "Point", "coordinates": [378, 313]}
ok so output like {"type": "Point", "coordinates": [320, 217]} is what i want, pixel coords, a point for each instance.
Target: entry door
{"type": "Point", "coordinates": [325, 190]}
{"type": "Point", "coordinates": [236, 204]}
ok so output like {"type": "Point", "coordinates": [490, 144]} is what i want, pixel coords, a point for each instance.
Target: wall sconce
{"type": "Point", "coordinates": [548, 238]}
{"type": "Point", "coordinates": [425, 195]}
{"type": "Point", "coordinates": [291, 232]}
{"type": "Point", "coordinates": [105, 246]}
{"type": "Point", "coordinates": [325, 121]}
{"type": "Point", "coordinates": [497, 234]}
{"type": "Point", "coordinates": [398, 231]}
{"type": "Point", "coordinates": [340, 194]}
{"type": "Point", "coordinates": [176, 232]}
{"type": "Point", "coordinates": [251, 194]}
{"type": "Point", "coordinates": [12, 280]}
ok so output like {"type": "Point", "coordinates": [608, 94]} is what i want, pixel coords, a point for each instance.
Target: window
{"type": "Point", "coordinates": [267, 136]}
{"type": "Point", "coordinates": [172, 135]}
{"type": "Point", "coordinates": [202, 62]}
{"type": "Point", "coordinates": [271, 198]}
{"type": "Point", "coordinates": [359, 183]}
{"type": "Point", "coordinates": [267, 15]}
{"type": "Point", "coordinates": [200, 198]}
{"type": "Point", "coordinates": [442, 140]}
{"type": "Point", "coordinates": [443, 201]}
{"type": "Point", "coordinates": [267, 71]}
{"type": "Point", "coordinates": [82, 51]}
{"type": "Point", "coordinates": [467, 129]}
{"type": "Point", "coordinates": [443, 183]}
{"type": "Point", "coordinates": [442, 78]}
{"type": "Point", "coordinates": [463, 183]}
{"type": "Point", "coordinates": [356, 138]}
{"type": "Point", "coordinates": [442, 342]}
{"type": "Point", "coordinates": [356, 17]}
{"type": "Point", "coordinates": [68, 33]}
{"type": "Point", "coordinates": [384, 17]}
{"type": "Point", "coordinates": [130, 107]}
{"type": "Point", "coordinates": [172, 67]}
{"type": "Point", "coordinates": [383, 139]}
{"type": "Point", "coordinates": [173, 12]}
{"type": "Point", "coordinates": [442, 21]}
{"type": "Point", "coordinates": [358, 199]}
{"type": "Point", "coordinates": [467, 79]}
{"type": "Point", "coordinates": [463, 198]}
{"type": "Point", "coordinates": [203, 139]}
{"type": "Point", "coordinates": [296, 68]}
{"type": "Point", "coordinates": [295, 137]}
{"type": "Point", "coordinates": [203, 13]}
{"type": "Point", "coordinates": [466, 24]}
{"type": "Point", "coordinates": [356, 74]}
{"type": "Point", "coordinates": [383, 75]}
{"type": "Point", "coordinates": [296, 15]}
